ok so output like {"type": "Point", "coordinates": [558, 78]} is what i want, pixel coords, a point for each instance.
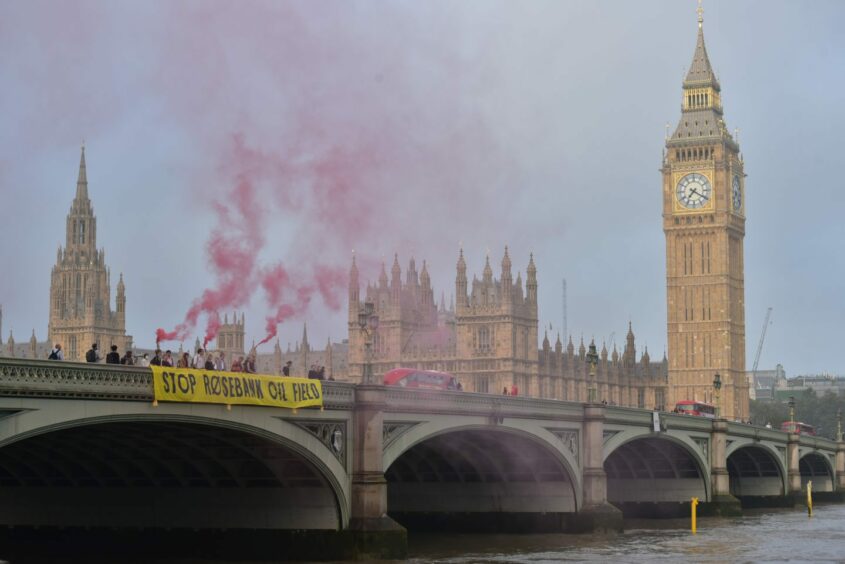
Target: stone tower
{"type": "Point", "coordinates": [704, 224]}
{"type": "Point", "coordinates": [496, 328]}
{"type": "Point", "coordinates": [80, 291]}
{"type": "Point", "coordinates": [230, 337]}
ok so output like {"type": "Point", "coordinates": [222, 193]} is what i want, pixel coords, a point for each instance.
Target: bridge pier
{"type": "Point", "coordinates": [375, 534]}
{"type": "Point", "coordinates": [721, 502]}
{"type": "Point", "coordinates": [596, 514]}
{"type": "Point", "coordinates": [793, 470]}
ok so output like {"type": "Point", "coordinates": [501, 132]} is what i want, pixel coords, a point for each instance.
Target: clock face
{"type": "Point", "coordinates": [736, 194]}
{"type": "Point", "coordinates": [693, 191]}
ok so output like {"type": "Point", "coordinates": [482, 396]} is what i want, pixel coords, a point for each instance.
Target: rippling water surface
{"type": "Point", "coordinates": [783, 536]}
{"type": "Point", "coordinates": [763, 536]}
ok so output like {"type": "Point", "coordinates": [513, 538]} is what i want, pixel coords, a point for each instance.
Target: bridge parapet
{"type": "Point", "coordinates": [72, 380]}
{"type": "Point", "coordinates": [465, 403]}
{"type": "Point", "coordinates": [75, 380]}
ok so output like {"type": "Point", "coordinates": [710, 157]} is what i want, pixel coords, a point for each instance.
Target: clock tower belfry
{"type": "Point", "coordinates": [704, 223]}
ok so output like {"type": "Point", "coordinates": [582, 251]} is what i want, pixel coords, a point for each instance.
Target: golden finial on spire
{"type": "Point", "coordinates": [700, 11]}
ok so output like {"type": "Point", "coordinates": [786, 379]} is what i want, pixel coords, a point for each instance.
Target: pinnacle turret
{"type": "Point", "coordinates": [395, 271]}
{"type": "Point", "coordinates": [506, 264]}
{"type": "Point", "coordinates": [82, 178]}
{"type": "Point", "coordinates": [425, 279]}
{"type": "Point", "coordinates": [382, 277]}
{"type": "Point", "coordinates": [488, 272]}
{"type": "Point", "coordinates": [353, 272]}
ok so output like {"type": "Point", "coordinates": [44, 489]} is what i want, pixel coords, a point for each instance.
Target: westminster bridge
{"type": "Point", "coordinates": [84, 448]}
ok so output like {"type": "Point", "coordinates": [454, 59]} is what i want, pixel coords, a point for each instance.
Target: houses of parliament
{"type": "Point", "coordinates": [488, 336]}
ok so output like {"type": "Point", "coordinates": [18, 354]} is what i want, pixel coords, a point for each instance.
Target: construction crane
{"type": "Point", "coordinates": [760, 346]}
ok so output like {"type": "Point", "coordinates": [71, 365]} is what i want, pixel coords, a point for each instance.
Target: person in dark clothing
{"type": "Point", "coordinates": [156, 361]}
{"type": "Point", "coordinates": [249, 364]}
{"type": "Point", "coordinates": [209, 364]}
{"type": "Point", "coordinates": [168, 359]}
{"type": "Point", "coordinates": [113, 357]}
{"type": "Point", "coordinates": [91, 355]}
{"type": "Point", "coordinates": [321, 374]}
{"type": "Point", "coordinates": [128, 359]}
{"type": "Point", "coordinates": [286, 368]}
{"type": "Point", "coordinates": [505, 391]}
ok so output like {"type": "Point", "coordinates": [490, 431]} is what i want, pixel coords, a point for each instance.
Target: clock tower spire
{"type": "Point", "coordinates": [704, 224]}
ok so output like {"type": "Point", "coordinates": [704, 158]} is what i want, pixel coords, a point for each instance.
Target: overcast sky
{"type": "Point", "coordinates": [415, 127]}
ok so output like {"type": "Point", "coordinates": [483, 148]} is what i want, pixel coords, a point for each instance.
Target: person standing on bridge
{"type": "Point", "coordinates": [128, 359]}
{"type": "Point", "coordinates": [505, 391]}
{"type": "Point", "coordinates": [514, 390]}
{"type": "Point", "coordinates": [199, 360]}
{"type": "Point", "coordinates": [113, 357]}
{"type": "Point", "coordinates": [220, 362]}
{"type": "Point", "coordinates": [184, 362]}
{"type": "Point", "coordinates": [91, 355]}
{"type": "Point", "coordinates": [286, 368]}
{"type": "Point", "coordinates": [56, 353]}
{"type": "Point", "coordinates": [168, 359]}
{"type": "Point", "coordinates": [249, 365]}
{"type": "Point", "coordinates": [156, 360]}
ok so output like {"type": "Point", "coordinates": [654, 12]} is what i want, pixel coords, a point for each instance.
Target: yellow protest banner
{"type": "Point", "coordinates": [234, 388]}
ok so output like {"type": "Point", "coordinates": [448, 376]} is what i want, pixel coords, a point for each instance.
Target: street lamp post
{"type": "Point", "coordinates": [592, 359]}
{"type": "Point", "coordinates": [839, 425]}
{"type": "Point", "coordinates": [717, 385]}
{"type": "Point", "coordinates": [368, 322]}
{"type": "Point", "coordinates": [792, 413]}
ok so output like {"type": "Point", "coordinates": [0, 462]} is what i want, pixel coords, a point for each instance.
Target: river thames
{"type": "Point", "coordinates": [781, 536]}
{"type": "Point", "coordinates": [759, 536]}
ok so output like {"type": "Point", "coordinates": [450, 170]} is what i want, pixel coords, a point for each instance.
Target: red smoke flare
{"type": "Point", "coordinates": [232, 249]}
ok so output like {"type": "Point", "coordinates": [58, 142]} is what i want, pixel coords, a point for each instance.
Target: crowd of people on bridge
{"type": "Point", "coordinates": [203, 359]}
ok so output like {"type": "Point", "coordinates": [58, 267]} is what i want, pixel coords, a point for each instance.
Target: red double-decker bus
{"type": "Point", "coordinates": [797, 427]}
{"type": "Point", "coordinates": [697, 408]}
{"type": "Point", "coordinates": [424, 379]}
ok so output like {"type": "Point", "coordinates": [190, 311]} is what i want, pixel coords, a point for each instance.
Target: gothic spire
{"type": "Point", "coordinates": [82, 179]}
{"type": "Point", "coordinates": [305, 337]}
{"type": "Point", "coordinates": [700, 71]}
{"type": "Point", "coordinates": [462, 265]}
{"type": "Point", "coordinates": [488, 272]}
{"type": "Point", "coordinates": [506, 264]}
{"type": "Point", "coordinates": [396, 271]}
{"type": "Point", "coordinates": [382, 277]}
{"type": "Point", "coordinates": [425, 279]}
{"type": "Point", "coordinates": [353, 272]}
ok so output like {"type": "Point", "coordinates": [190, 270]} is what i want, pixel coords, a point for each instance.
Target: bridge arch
{"type": "Point", "coordinates": [817, 467]}
{"type": "Point", "coordinates": [756, 469]}
{"type": "Point", "coordinates": [228, 462]}
{"type": "Point", "coordinates": [651, 473]}
{"type": "Point", "coordinates": [508, 477]}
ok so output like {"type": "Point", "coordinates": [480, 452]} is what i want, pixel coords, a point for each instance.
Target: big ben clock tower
{"type": "Point", "coordinates": [704, 223]}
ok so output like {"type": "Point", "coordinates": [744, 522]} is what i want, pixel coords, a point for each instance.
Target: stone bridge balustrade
{"type": "Point", "coordinates": [424, 458]}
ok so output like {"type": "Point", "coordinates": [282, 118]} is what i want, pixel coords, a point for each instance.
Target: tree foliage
{"type": "Point", "coordinates": [810, 408]}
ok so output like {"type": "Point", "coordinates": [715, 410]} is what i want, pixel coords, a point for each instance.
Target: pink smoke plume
{"type": "Point", "coordinates": [232, 250]}
{"type": "Point", "coordinates": [289, 300]}
{"type": "Point", "coordinates": [237, 240]}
